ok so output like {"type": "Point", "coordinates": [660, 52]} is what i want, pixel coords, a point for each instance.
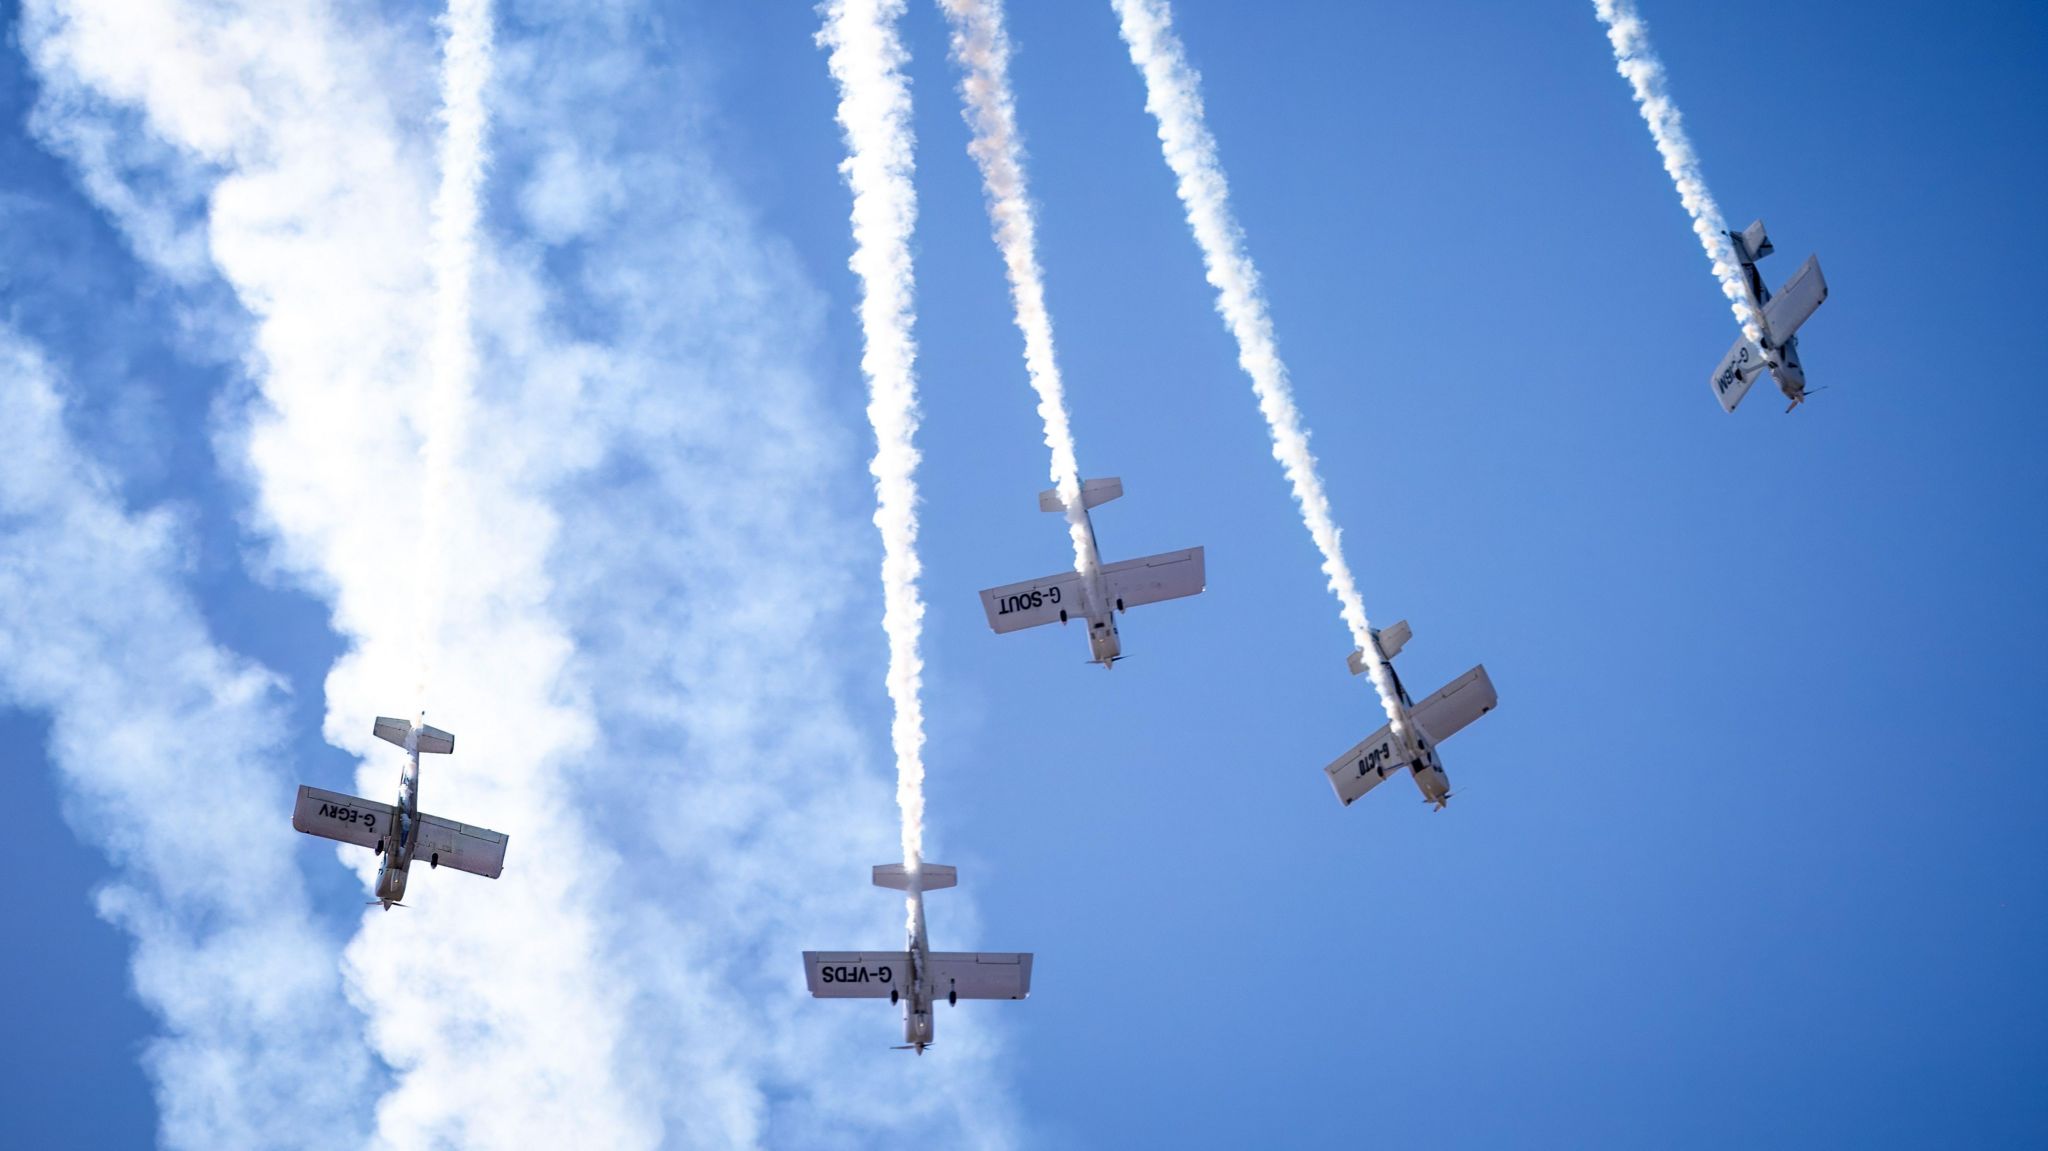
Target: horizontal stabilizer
{"type": "Point", "coordinates": [1395, 637]}
{"type": "Point", "coordinates": [1756, 242]}
{"type": "Point", "coordinates": [1801, 296]}
{"type": "Point", "coordinates": [981, 974]}
{"type": "Point", "coordinates": [1094, 493]}
{"type": "Point", "coordinates": [1168, 575]}
{"type": "Point", "coordinates": [347, 818]}
{"type": "Point", "coordinates": [446, 843]}
{"type": "Point", "coordinates": [857, 974]}
{"type": "Point", "coordinates": [931, 876]}
{"type": "Point", "coordinates": [1392, 639]}
{"type": "Point", "coordinates": [433, 740]}
{"type": "Point", "coordinates": [1049, 599]}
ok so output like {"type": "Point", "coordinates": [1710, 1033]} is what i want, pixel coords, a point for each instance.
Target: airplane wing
{"type": "Point", "coordinates": [857, 974]}
{"type": "Point", "coordinates": [1798, 299]}
{"type": "Point", "coordinates": [982, 974]}
{"type": "Point", "coordinates": [333, 815]}
{"type": "Point", "coordinates": [447, 843]}
{"type": "Point", "coordinates": [1456, 705]}
{"type": "Point", "coordinates": [1168, 575]}
{"type": "Point", "coordinates": [1361, 769]}
{"type": "Point", "coordinates": [1033, 602]}
{"type": "Point", "coordinates": [1738, 369]}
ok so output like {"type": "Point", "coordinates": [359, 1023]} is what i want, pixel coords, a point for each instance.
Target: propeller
{"type": "Point", "coordinates": [1804, 396]}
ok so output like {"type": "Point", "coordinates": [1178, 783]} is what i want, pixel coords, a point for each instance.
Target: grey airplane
{"type": "Point", "coordinates": [1100, 593]}
{"type": "Point", "coordinates": [919, 977]}
{"type": "Point", "coordinates": [1424, 725]}
{"type": "Point", "coordinates": [402, 833]}
{"type": "Point", "coordinates": [1778, 317]}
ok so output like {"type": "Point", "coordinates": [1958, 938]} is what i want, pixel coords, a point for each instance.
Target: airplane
{"type": "Point", "coordinates": [1100, 594]}
{"type": "Point", "coordinates": [1426, 724]}
{"type": "Point", "coordinates": [402, 834]}
{"type": "Point", "coordinates": [1778, 317]}
{"type": "Point", "coordinates": [919, 977]}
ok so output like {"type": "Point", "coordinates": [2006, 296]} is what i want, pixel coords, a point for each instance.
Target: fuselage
{"type": "Point", "coordinates": [917, 1006]}
{"type": "Point", "coordinates": [1103, 645]}
{"type": "Point", "coordinates": [1423, 763]}
{"type": "Point", "coordinates": [1783, 361]}
{"type": "Point", "coordinates": [397, 846]}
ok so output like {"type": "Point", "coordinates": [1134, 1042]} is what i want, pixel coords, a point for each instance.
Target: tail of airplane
{"type": "Point", "coordinates": [1094, 493]}
{"type": "Point", "coordinates": [432, 739]}
{"type": "Point", "coordinates": [1393, 638]}
{"type": "Point", "coordinates": [931, 876]}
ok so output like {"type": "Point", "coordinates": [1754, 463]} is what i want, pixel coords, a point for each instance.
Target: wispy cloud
{"type": "Point", "coordinates": [1173, 96]}
{"type": "Point", "coordinates": [640, 649]}
{"type": "Point", "coordinates": [320, 221]}
{"type": "Point", "coordinates": [170, 752]}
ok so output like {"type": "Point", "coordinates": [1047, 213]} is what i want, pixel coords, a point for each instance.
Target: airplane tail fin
{"type": "Point", "coordinates": [931, 876]}
{"type": "Point", "coordinates": [1094, 493]}
{"type": "Point", "coordinates": [432, 739]}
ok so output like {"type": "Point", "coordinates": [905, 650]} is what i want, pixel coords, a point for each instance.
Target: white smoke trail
{"type": "Point", "coordinates": [1172, 95]}
{"type": "Point", "coordinates": [874, 113]}
{"type": "Point", "coordinates": [156, 731]}
{"type": "Point", "coordinates": [1638, 62]}
{"type": "Point", "coordinates": [981, 47]}
{"type": "Point", "coordinates": [451, 354]}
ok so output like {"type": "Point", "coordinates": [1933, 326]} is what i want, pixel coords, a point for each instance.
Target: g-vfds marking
{"type": "Point", "coordinates": [857, 975]}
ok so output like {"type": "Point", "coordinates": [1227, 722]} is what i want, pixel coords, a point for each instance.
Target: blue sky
{"type": "Point", "coordinates": [1754, 850]}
